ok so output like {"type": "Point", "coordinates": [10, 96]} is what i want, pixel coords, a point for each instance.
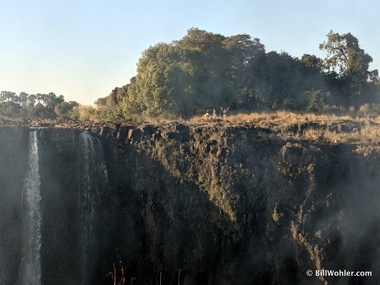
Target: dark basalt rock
{"type": "Point", "coordinates": [135, 135]}
{"type": "Point", "coordinates": [219, 204]}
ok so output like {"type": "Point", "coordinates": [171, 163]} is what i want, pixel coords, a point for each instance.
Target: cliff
{"type": "Point", "coordinates": [195, 203]}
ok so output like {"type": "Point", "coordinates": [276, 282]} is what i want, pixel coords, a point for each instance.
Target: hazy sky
{"type": "Point", "coordinates": [83, 49]}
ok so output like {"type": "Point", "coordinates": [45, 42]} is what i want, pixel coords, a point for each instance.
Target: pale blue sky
{"type": "Point", "coordinates": [82, 49]}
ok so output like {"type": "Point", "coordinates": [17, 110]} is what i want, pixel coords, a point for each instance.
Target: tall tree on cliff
{"type": "Point", "coordinates": [203, 62]}
{"type": "Point", "coordinates": [192, 74]}
{"type": "Point", "coordinates": [246, 57]}
{"type": "Point", "coordinates": [149, 93]}
{"type": "Point", "coordinates": [347, 68]}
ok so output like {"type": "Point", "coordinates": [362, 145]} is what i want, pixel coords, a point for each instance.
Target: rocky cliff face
{"type": "Point", "coordinates": [195, 204]}
{"type": "Point", "coordinates": [48, 235]}
{"type": "Point", "coordinates": [14, 162]}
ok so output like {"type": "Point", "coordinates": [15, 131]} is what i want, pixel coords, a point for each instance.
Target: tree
{"type": "Point", "coordinates": [34, 106]}
{"type": "Point", "coordinates": [280, 80]}
{"type": "Point", "coordinates": [193, 74]}
{"type": "Point", "coordinates": [348, 65]}
{"type": "Point", "coordinates": [101, 102]}
{"type": "Point", "coordinates": [23, 97]}
{"type": "Point", "coordinates": [152, 88]}
{"type": "Point", "coordinates": [203, 66]}
{"type": "Point", "coordinates": [10, 109]}
{"type": "Point", "coordinates": [312, 62]}
{"type": "Point", "coordinates": [40, 111]}
{"type": "Point", "coordinates": [204, 70]}
{"type": "Point", "coordinates": [7, 96]}
{"type": "Point", "coordinates": [31, 101]}
{"type": "Point", "coordinates": [63, 109]}
{"type": "Point", "coordinates": [177, 78]}
{"type": "Point", "coordinates": [316, 100]}
{"type": "Point", "coordinates": [243, 68]}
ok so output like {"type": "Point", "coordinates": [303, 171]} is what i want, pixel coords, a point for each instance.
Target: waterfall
{"type": "Point", "coordinates": [31, 260]}
{"type": "Point", "coordinates": [94, 177]}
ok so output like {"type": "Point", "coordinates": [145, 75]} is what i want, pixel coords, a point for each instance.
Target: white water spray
{"type": "Point", "coordinates": [31, 261]}
{"type": "Point", "coordinates": [87, 197]}
{"type": "Point", "coordinates": [93, 176]}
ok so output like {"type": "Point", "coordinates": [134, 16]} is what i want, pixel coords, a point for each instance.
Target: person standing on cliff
{"type": "Point", "coordinates": [223, 112]}
{"type": "Point", "coordinates": [213, 112]}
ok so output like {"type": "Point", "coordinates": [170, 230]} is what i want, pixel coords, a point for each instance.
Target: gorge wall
{"type": "Point", "coordinates": [195, 204]}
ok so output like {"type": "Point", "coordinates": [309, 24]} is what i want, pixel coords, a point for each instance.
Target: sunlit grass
{"type": "Point", "coordinates": [321, 128]}
{"type": "Point", "coordinates": [324, 128]}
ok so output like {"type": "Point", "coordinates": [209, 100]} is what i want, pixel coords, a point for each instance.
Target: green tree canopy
{"type": "Point", "coordinates": [30, 106]}
{"type": "Point", "coordinates": [204, 70]}
{"type": "Point", "coordinates": [199, 71]}
{"type": "Point", "coordinates": [347, 65]}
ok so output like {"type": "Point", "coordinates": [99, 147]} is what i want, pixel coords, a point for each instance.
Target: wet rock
{"type": "Point", "coordinates": [149, 130]}
{"type": "Point", "coordinates": [173, 136]}
{"type": "Point", "coordinates": [345, 127]}
{"type": "Point", "coordinates": [181, 133]}
{"type": "Point", "coordinates": [182, 128]}
{"type": "Point", "coordinates": [135, 135]}
{"type": "Point", "coordinates": [9, 133]}
{"type": "Point", "coordinates": [156, 136]}
{"type": "Point", "coordinates": [122, 133]}
{"type": "Point", "coordinates": [107, 132]}
{"type": "Point", "coordinates": [296, 156]}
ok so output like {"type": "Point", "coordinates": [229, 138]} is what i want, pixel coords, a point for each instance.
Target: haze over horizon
{"type": "Point", "coordinates": [84, 50]}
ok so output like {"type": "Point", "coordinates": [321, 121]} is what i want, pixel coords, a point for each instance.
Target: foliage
{"type": "Point", "coordinates": [203, 70]}
{"type": "Point", "coordinates": [316, 100]}
{"type": "Point", "coordinates": [39, 106]}
{"type": "Point", "coordinates": [369, 110]}
{"type": "Point", "coordinates": [197, 72]}
{"type": "Point", "coordinates": [347, 67]}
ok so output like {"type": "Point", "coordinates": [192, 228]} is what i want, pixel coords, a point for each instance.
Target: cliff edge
{"type": "Point", "coordinates": [201, 203]}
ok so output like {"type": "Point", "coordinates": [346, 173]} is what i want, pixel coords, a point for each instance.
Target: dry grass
{"type": "Point", "coordinates": [363, 132]}
{"type": "Point", "coordinates": [274, 117]}
{"type": "Point", "coordinates": [283, 117]}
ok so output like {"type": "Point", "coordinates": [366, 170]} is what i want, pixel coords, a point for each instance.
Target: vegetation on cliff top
{"type": "Point", "coordinates": [35, 106]}
{"type": "Point", "coordinates": [332, 100]}
{"type": "Point", "coordinates": [202, 70]}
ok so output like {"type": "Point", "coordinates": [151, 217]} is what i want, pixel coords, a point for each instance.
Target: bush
{"type": "Point", "coordinates": [316, 100]}
{"type": "Point", "coordinates": [369, 110]}
{"type": "Point", "coordinates": [83, 113]}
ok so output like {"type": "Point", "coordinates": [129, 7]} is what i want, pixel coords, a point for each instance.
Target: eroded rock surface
{"type": "Point", "coordinates": [205, 204]}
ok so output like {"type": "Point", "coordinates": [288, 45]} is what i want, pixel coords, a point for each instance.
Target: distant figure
{"type": "Point", "coordinates": [207, 113]}
{"type": "Point", "coordinates": [213, 112]}
{"type": "Point", "coordinates": [223, 111]}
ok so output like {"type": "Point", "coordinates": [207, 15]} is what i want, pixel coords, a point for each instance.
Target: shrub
{"type": "Point", "coordinates": [316, 100]}
{"type": "Point", "coordinates": [369, 110]}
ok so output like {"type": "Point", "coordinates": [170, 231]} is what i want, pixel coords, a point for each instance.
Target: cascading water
{"type": "Point", "coordinates": [30, 269]}
{"type": "Point", "coordinates": [94, 176]}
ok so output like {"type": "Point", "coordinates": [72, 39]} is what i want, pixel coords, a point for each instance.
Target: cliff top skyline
{"type": "Point", "coordinates": [83, 50]}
